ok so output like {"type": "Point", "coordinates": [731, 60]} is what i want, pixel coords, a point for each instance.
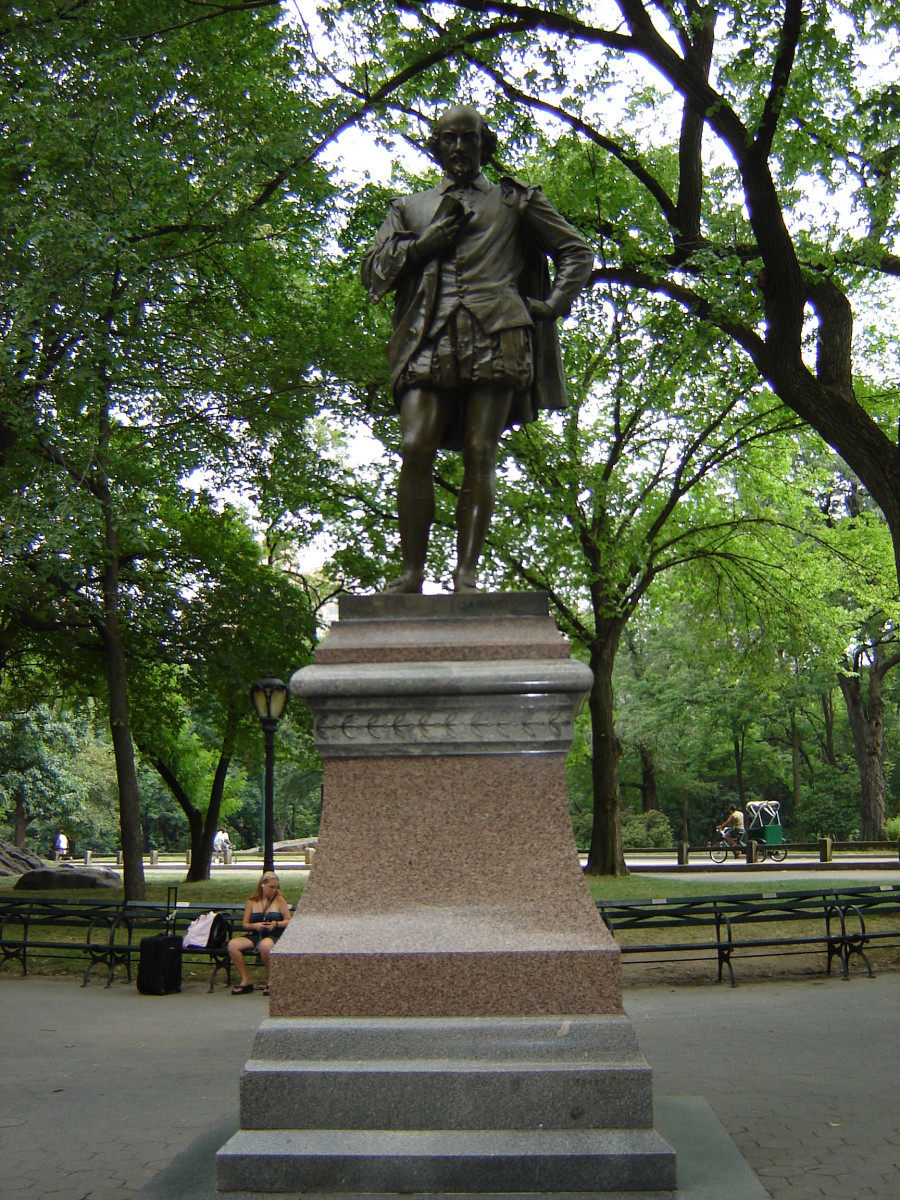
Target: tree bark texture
{"type": "Point", "coordinates": [828, 719]}
{"type": "Point", "coordinates": [738, 742]}
{"type": "Point", "coordinates": [119, 723]}
{"type": "Point", "coordinates": [795, 758]}
{"type": "Point", "coordinates": [21, 822]}
{"type": "Point", "coordinates": [866, 714]}
{"type": "Point", "coordinates": [649, 794]}
{"type": "Point", "coordinates": [605, 856]}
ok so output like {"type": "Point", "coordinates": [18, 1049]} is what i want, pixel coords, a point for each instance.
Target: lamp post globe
{"type": "Point", "coordinates": [270, 697]}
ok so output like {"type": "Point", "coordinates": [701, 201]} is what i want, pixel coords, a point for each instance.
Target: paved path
{"type": "Point", "coordinates": [102, 1088]}
{"type": "Point", "coordinates": [803, 1074]}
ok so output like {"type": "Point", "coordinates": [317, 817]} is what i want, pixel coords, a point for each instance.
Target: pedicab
{"type": "Point", "coordinates": [765, 829]}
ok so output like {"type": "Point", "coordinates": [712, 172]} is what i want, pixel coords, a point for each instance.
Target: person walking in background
{"type": "Point", "coordinates": [220, 842]}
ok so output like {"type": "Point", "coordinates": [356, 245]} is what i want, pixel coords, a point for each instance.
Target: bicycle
{"type": "Point", "coordinates": [720, 848]}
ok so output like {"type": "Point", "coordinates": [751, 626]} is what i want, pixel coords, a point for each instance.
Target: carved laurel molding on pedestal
{"type": "Point", "coordinates": [443, 708]}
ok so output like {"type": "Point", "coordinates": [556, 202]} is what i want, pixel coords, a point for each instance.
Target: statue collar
{"type": "Point", "coordinates": [479, 182]}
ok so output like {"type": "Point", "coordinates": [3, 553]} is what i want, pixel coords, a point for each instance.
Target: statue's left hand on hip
{"type": "Point", "coordinates": [540, 310]}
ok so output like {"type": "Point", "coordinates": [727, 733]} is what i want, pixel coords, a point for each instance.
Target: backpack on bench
{"type": "Point", "coordinates": [209, 932]}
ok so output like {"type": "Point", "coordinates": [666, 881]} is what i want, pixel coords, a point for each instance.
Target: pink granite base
{"type": "Point", "coordinates": [446, 886]}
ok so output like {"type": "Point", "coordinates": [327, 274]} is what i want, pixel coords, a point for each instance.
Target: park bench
{"type": "Point", "coordinates": [105, 932]}
{"type": "Point", "coordinates": [727, 924]}
{"type": "Point", "coordinates": [61, 929]}
{"type": "Point", "coordinates": [141, 919]}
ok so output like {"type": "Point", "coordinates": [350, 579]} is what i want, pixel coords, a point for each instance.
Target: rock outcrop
{"type": "Point", "coordinates": [14, 861]}
{"type": "Point", "coordinates": [62, 877]}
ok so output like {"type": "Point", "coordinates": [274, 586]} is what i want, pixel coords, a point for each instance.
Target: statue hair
{"type": "Point", "coordinates": [488, 139]}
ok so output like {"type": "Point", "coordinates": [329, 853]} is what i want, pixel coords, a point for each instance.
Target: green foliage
{"type": "Point", "coordinates": [299, 800]}
{"type": "Point", "coordinates": [646, 829]}
{"type": "Point", "coordinates": [160, 211]}
{"type": "Point", "coordinates": [180, 313]}
{"type": "Point", "coordinates": [163, 823]}
{"type": "Point", "coordinates": [829, 806]}
{"type": "Point", "coordinates": [56, 774]}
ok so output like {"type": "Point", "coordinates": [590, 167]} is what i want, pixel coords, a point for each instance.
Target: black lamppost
{"type": "Point", "coordinates": [269, 698]}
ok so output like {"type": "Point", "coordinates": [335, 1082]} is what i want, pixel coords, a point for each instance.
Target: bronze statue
{"type": "Point", "coordinates": [474, 349]}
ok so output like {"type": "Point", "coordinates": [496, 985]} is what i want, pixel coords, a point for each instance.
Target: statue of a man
{"type": "Point", "coordinates": [474, 349]}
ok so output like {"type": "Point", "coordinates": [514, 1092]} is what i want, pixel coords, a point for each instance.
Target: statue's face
{"type": "Point", "coordinates": [459, 144]}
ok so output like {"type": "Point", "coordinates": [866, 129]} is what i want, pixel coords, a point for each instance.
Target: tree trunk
{"type": "Point", "coordinates": [202, 828]}
{"type": "Point", "coordinates": [866, 715]}
{"type": "Point", "coordinates": [605, 855]}
{"type": "Point", "coordinates": [119, 723]}
{"type": "Point", "coordinates": [117, 671]}
{"type": "Point", "coordinates": [828, 717]}
{"type": "Point", "coordinates": [21, 824]}
{"type": "Point", "coordinates": [649, 794]}
{"type": "Point", "coordinates": [739, 769]}
{"type": "Point", "coordinates": [201, 854]}
{"type": "Point", "coordinates": [795, 758]}
{"type": "Point", "coordinates": [192, 814]}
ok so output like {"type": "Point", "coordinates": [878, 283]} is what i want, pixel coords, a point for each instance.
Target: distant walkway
{"type": "Point", "coordinates": [102, 1089]}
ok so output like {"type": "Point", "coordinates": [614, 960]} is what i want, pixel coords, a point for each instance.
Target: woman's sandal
{"type": "Point", "coordinates": [242, 989]}
{"type": "Point", "coordinates": [266, 990]}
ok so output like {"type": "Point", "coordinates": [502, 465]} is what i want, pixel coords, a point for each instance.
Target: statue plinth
{"type": "Point", "coordinates": [446, 991]}
{"type": "Point", "coordinates": [447, 882]}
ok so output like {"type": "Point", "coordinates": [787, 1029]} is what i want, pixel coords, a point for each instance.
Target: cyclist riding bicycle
{"type": "Point", "coordinates": [733, 824]}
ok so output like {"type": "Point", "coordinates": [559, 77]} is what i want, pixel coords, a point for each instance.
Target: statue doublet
{"type": "Point", "coordinates": [499, 261]}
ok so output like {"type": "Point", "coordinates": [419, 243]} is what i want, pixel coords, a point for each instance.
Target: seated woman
{"type": "Point", "coordinates": [266, 914]}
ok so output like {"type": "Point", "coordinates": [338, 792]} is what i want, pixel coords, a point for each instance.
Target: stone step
{"type": "Point", "coordinates": [500, 1161]}
{"type": "Point", "coordinates": [446, 1095]}
{"type": "Point", "coordinates": [552, 1039]}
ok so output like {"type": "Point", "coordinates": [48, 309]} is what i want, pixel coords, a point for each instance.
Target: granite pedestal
{"type": "Point", "coordinates": [445, 1009]}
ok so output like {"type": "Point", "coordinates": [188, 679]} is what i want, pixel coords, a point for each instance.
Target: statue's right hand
{"type": "Point", "coordinates": [440, 235]}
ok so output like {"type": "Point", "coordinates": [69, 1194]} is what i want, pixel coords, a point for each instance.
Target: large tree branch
{"type": "Point", "coordinates": [696, 304]}
{"type": "Point", "coordinates": [537, 18]}
{"type": "Point", "coordinates": [781, 73]}
{"type": "Point", "coordinates": [207, 12]}
{"type": "Point", "coordinates": [690, 144]}
{"type": "Point", "coordinates": [835, 336]}
{"type": "Point", "coordinates": [610, 145]}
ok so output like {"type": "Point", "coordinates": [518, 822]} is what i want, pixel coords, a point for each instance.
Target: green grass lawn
{"type": "Point", "coordinates": [223, 888]}
{"type": "Point", "coordinates": [231, 887]}
{"type": "Point", "coordinates": [672, 886]}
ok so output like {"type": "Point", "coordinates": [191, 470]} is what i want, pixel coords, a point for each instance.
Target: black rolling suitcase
{"type": "Point", "coordinates": [159, 965]}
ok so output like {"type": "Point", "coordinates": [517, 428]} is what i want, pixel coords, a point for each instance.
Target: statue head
{"type": "Point", "coordinates": [461, 142]}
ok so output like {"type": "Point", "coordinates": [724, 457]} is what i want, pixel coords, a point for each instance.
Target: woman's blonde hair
{"type": "Point", "coordinates": [265, 877]}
